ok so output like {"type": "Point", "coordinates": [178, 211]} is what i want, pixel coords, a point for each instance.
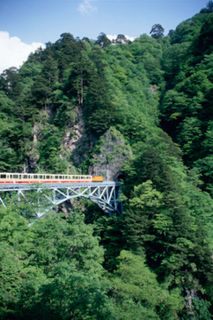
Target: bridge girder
{"type": "Point", "coordinates": [104, 194]}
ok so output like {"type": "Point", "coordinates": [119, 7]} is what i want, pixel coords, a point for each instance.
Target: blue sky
{"type": "Point", "coordinates": [27, 24]}
{"type": "Point", "coordinates": [45, 20]}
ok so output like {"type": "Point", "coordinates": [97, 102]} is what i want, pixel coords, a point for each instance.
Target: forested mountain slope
{"type": "Point", "coordinates": [138, 112]}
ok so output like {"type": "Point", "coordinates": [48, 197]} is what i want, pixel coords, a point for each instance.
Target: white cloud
{"type": "Point", "coordinates": [114, 37]}
{"type": "Point", "coordinates": [86, 7]}
{"type": "Point", "coordinates": [111, 36]}
{"type": "Point", "coordinates": [13, 51]}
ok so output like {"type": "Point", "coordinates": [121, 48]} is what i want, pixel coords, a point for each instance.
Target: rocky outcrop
{"type": "Point", "coordinates": [75, 142]}
{"type": "Point", "coordinates": [32, 155]}
{"type": "Point", "coordinates": [109, 155]}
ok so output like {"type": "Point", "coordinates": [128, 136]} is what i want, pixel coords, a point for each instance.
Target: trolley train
{"type": "Point", "coordinates": [46, 178]}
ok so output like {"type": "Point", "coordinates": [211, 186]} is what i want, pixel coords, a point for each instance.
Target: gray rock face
{"type": "Point", "coordinates": [75, 141]}
{"type": "Point", "coordinates": [110, 154]}
{"type": "Point", "coordinates": [106, 157]}
{"type": "Point", "coordinates": [31, 161]}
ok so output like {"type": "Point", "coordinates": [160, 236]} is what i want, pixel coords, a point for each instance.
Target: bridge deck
{"type": "Point", "coordinates": [30, 186]}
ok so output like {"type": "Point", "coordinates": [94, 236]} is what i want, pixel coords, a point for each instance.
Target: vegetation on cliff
{"type": "Point", "coordinates": [137, 111]}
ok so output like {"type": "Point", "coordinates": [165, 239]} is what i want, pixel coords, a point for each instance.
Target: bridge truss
{"type": "Point", "coordinates": [48, 195]}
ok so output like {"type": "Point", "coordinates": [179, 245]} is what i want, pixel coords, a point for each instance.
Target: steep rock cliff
{"type": "Point", "coordinates": [109, 155]}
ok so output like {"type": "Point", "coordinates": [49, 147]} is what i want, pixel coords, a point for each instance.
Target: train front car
{"type": "Point", "coordinates": [97, 179]}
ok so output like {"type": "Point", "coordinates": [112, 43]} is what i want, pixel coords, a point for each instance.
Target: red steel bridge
{"type": "Point", "coordinates": [54, 189]}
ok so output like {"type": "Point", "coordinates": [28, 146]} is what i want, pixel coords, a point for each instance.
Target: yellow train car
{"type": "Point", "coordinates": [6, 177]}
{"type": "Point", "coordinates": [97, 179]}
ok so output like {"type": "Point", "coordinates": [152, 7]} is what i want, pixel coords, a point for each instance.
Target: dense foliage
{"type": "Point", "coordinates": [155, 261]}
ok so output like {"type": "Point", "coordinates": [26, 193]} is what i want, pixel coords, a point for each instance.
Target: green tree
{"type": "Point", "coordinates": [157, 31]}
{"type": "Point", "coordinates": [135, 288]}
{"type": "Point", "coordinates": [102, 40]}
{"type": "Point", "coordinates": [51, 270]}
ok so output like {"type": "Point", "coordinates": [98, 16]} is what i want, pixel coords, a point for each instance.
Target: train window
{"type": "Point", "coordinates": [3, 176]}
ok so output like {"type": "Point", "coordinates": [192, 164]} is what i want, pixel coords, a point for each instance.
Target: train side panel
{"type": "Point", "coordinates": [6, 177]}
